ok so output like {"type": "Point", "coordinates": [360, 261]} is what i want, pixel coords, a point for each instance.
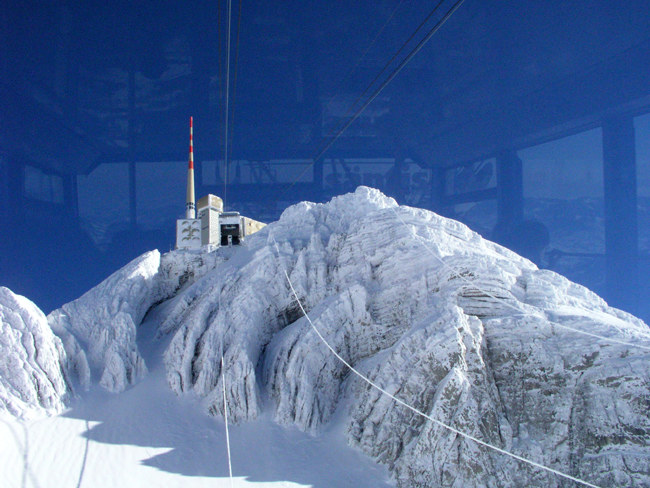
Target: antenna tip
{"type": "Point", "coordinates": [191, 120]}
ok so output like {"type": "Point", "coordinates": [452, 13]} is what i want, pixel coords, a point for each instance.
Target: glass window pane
{"type": "Point", "coordinates": [563, 190]}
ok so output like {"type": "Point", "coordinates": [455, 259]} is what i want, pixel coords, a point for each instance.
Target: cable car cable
{"type": "Point", "coordinates": [393, 74]}
{"type": "Point", "coordinates": [390, 78]}
{"type": "Point", "coordinates": [361, 58]}
{"type": "Point", "coordinates": [227, 104]}
{"type": "Point", "coordinates": [376, 93]}
{"type": "Point", "coordinates": [234, 83]}
{"type": "Point", "coordinates": [390, 61]}
{"type": "Point", "coordinates": [225, 413]}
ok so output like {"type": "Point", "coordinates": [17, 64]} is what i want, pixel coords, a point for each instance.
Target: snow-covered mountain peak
{"type": "Point", "coordinates": [459, 326]}
{"type": "Point", "coordinates": [452, 324]}
{"type": "Point", "coordinates": [341, 209]}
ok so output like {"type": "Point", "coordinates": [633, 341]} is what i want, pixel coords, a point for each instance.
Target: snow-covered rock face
{"type": "Point", "coordinates": [104, 321]}
{"type": "Point", "coordinates": [32, 378]}
{"type": "Point", "coordinates": [456, 326]}
{"type": "Point", "coordinates": [102, 324]}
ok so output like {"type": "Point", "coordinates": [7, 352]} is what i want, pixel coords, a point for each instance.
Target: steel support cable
{"type": "Point", "coordinates": [227, 104]}
{"type": "Point", "coordinates": [349, 73]}
{"type": "Point", "coordinates": [392, 75]}
{"type": "Point", "coordinates": [386, 66]}
{"type": "Point", "coordinates": [343, 80]}
{"type": "Point", "coordinates": [234, 82]}
{"type": "Point", "coordinates": [508, 304]}
{"type": "Point", "coordinates": [219, 64]}
{"type": "Point", "coordinates": [225, 183]}
{"type": "Point", "coordinates": [225, 416]}
{"type": "Point", "coordinates": [411, 408]}
{"type": "Point", "coordinates": [376, 93]}
{"type": "Point", "coordinates": [219, 49]}
{"type": "Point", "coordinates": [415, 50]}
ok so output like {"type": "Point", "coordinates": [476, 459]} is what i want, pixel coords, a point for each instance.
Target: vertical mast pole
{"type": "Point", "coordinates": [190, 206]}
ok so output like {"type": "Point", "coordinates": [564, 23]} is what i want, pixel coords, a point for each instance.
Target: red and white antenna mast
{"type": "Point", "coordinates": [190, 206]}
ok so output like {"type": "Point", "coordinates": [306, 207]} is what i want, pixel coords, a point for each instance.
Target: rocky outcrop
{"type": "Point", "coordinates": [32, 376]}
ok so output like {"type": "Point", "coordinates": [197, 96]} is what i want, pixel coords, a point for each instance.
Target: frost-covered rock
{"type": "Point", "coordinates": [32, 377]}
{"type": "Point", "coordinates": [454, 325]}
{"type": "Point", "coordinates": [104, 321]}
{"type": "Point", "coordinates": [102, 324]}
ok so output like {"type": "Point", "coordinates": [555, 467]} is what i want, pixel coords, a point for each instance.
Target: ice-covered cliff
{"type": "Point", "coordinates": [452, 324]}
{"type": "Point", "coordinates": [32, 373]}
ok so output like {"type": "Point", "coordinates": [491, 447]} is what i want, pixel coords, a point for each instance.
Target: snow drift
{"type": "Point", "coordinates": [452, 324]}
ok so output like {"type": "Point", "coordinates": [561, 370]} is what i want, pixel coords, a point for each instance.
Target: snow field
{"type": "Point", "coordinates": [149, 449]}
{"type": "Point", "coordinates": [148, 436]}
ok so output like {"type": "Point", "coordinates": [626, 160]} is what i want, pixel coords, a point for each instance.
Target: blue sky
{"type": "Point", "coordinates": [299, 65]}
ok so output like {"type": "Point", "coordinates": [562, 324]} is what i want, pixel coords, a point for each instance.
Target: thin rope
{"type": "Point", "coordinates": [225, 416]}
{"type": "Point", "coordinates": [415, 410]}
{"type": "Point", "coordinates": [508, 304]}
{"type": "Point", "coordinates": [227, 103]}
